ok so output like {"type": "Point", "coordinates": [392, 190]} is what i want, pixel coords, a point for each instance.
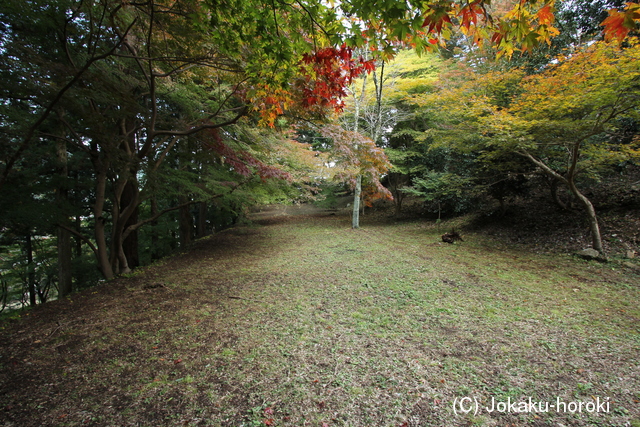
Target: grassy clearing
{"type": "Point", "coordinates": [305, 322]}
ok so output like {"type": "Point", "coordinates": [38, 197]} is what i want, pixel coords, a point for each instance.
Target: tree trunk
{"type": "Point", "coordinates": [201, 226]}
{"type": "Point", "coordinates": [377, 128]}
{"type": "Point", "coordinates": [31, 274]}
{"type": "Point", "coordinates": [554, 194]}
{"type": "Point", "coordinates": [78, 240]}
{"type": "Point", "coordinates": [186, 224]}
{"type": "Point", "coordinates": [155, 253]}
{"type": "Point", "coordinates": [569, 180]}
{"type": "Point", "coordinates": [65, 277]}
{"type": "Point", "coordinates": [395, 182]}
{"type": "Point", "coordinates": [397, 199]}
{"type": "Point", "coordinates": [102, 252]}
{"type": "Point", "coordinates": [596, 237]}
{"type": "Point", "coordinates": [130, 243]}
{"type": "Point", "coordinates": [355, 220]}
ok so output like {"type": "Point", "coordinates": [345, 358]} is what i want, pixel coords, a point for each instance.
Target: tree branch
{"type": "Point", "coordinates": [130, 229]}
{"type": "Point", "coordinates": [544, 166]}
{"type": "Point", "coordinates": [243, 111]}
{"type": "Point", "coordinates": [80, 236]}
{"type": "Point", "coordinates": [45, 114]}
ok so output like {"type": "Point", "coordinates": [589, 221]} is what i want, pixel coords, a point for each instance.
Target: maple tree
{"type": "Point", "coordinates": [559, 119]}
{"type": "Point", "coordinates": [358, 157]}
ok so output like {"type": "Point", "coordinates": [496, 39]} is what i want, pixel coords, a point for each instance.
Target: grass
{"type": "Point", "coordinates": [305, 322]}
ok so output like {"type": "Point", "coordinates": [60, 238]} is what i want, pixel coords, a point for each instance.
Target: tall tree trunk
{"type": "Point", "coordinates": [377, 127]}
{"type": "Point", "coordinates": [395, 182]}
{"type": "Point", "coordinates": [130, 243]}
{"type": "Point", "coordinates": [596, 238]}
{"type": "Point", "coordinates": [186, 223]}
{"type": "Point", "coordinates": [155, 253]}
{"type": "Point", "coordinates": [31, 273]}
{"type": "Point", "coordinates": [355, 220]}
{"type": "Point", "coordinates": [201, 226]}
{"type": "Point", "coordinates": [130, 195]}
{"type": "Point", "coordinates": [65, 277]}
{"type": "Point", "coordinates": [102, 252]}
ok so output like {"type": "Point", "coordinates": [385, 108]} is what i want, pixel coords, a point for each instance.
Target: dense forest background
{"type": "Point", "coordinates": [130, 129]}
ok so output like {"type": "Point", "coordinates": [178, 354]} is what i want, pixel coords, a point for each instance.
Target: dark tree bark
{"type": "Point", "coordinates": [65, 276]}
{"type": "Point", "coordinates": [130, 243]}
{"type": "Point", "coordinates": [186, 224]}
{"type": "Point", "coordinates": [155, 252]}
{"type": "Point", "coordinates": [553, 187]}
{"type": "Point", "coordinates": [201, 226]}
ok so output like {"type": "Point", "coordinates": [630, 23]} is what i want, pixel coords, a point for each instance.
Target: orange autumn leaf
{"type": "Point", "coordinates": [545, 15]}
{"type": "Point", "coordinates": [620, 23]}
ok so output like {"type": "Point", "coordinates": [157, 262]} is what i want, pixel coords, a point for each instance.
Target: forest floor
{"type": "Point", "coordinates": [297, 320]}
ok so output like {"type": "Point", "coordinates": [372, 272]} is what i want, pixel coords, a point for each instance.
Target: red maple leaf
{"type": "Point", "coordinates": [619, 24]}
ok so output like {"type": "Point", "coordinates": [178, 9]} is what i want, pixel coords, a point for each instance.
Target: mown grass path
{"type": "Point", "coordinates": [300, 321]}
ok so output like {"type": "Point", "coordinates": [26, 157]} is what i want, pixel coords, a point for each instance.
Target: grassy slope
{"type": "Point", "coordinates": [303, 321]}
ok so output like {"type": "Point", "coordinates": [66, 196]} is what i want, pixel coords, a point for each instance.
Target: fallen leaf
{"type": "Point", "coordinates": [175, 362]}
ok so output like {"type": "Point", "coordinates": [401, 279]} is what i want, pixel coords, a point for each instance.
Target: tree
{"type": "Point", "coordinates": [361, 163]}
{"type": "Point", "coordinates": [408, 75]}
{"type": "Point", "coordinates": [571, 106]}
{"type": "Point", "coordinates": [154, 78]}
{"type": "Point", "coordinates": [559, 120]}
